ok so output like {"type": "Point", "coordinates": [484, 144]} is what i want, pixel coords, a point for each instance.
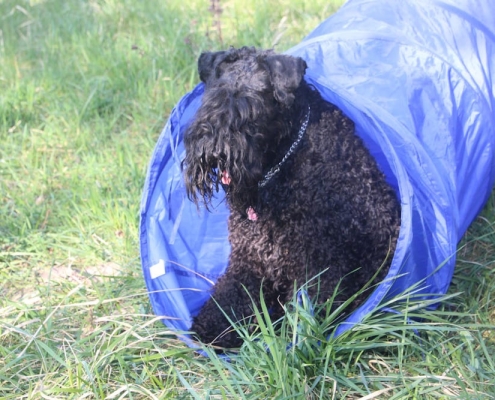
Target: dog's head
{"type": "Point", "coordinates": [244, 117]}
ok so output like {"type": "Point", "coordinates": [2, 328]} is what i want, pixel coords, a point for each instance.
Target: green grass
{"type": "Point", "coordinates": [85, 88]}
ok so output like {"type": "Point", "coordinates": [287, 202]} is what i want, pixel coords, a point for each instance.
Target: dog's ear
{"type": "Point", "coordinates": [207, 63]}
{"type": "Point", "coordinates": [286, 73]}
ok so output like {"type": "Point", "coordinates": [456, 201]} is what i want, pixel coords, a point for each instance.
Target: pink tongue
{"type": "Point", "coordinates": [225, 178]}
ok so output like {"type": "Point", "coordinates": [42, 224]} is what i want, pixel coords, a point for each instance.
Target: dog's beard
{"type": "Point", "coordinates": [206, 177]}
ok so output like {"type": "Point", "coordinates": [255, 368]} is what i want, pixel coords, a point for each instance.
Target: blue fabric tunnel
{"type": "Point", "coordinates": [417, 78]}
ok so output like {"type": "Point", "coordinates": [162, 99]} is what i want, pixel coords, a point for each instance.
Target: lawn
{"type": "Point", "coordinates": [85, 89]}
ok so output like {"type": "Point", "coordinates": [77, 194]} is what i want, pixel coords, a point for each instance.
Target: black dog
{"type": "Point", "coordinates": [305, 194]}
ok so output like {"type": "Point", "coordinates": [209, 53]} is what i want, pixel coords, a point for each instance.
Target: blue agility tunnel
{"type": "Point", "coordinates": [417, 77]}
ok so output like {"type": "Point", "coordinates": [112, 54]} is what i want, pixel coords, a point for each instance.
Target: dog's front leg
{"type": "Point", "coordinates": [234, 295]}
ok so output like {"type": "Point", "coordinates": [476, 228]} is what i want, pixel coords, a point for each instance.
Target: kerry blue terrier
{"type": "Point", "coordinates": [305, 195]}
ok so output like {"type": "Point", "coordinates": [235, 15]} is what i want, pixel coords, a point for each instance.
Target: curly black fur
{"type": "Point", "coordinates": [329, 208]}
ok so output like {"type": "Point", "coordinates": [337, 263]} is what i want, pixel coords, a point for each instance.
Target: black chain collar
{"type": "Point", "coordinates": [269, 175]}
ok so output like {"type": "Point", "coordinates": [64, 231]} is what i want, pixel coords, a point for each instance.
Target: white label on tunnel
{"type": "Point", "coordinates": [157, 270]}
